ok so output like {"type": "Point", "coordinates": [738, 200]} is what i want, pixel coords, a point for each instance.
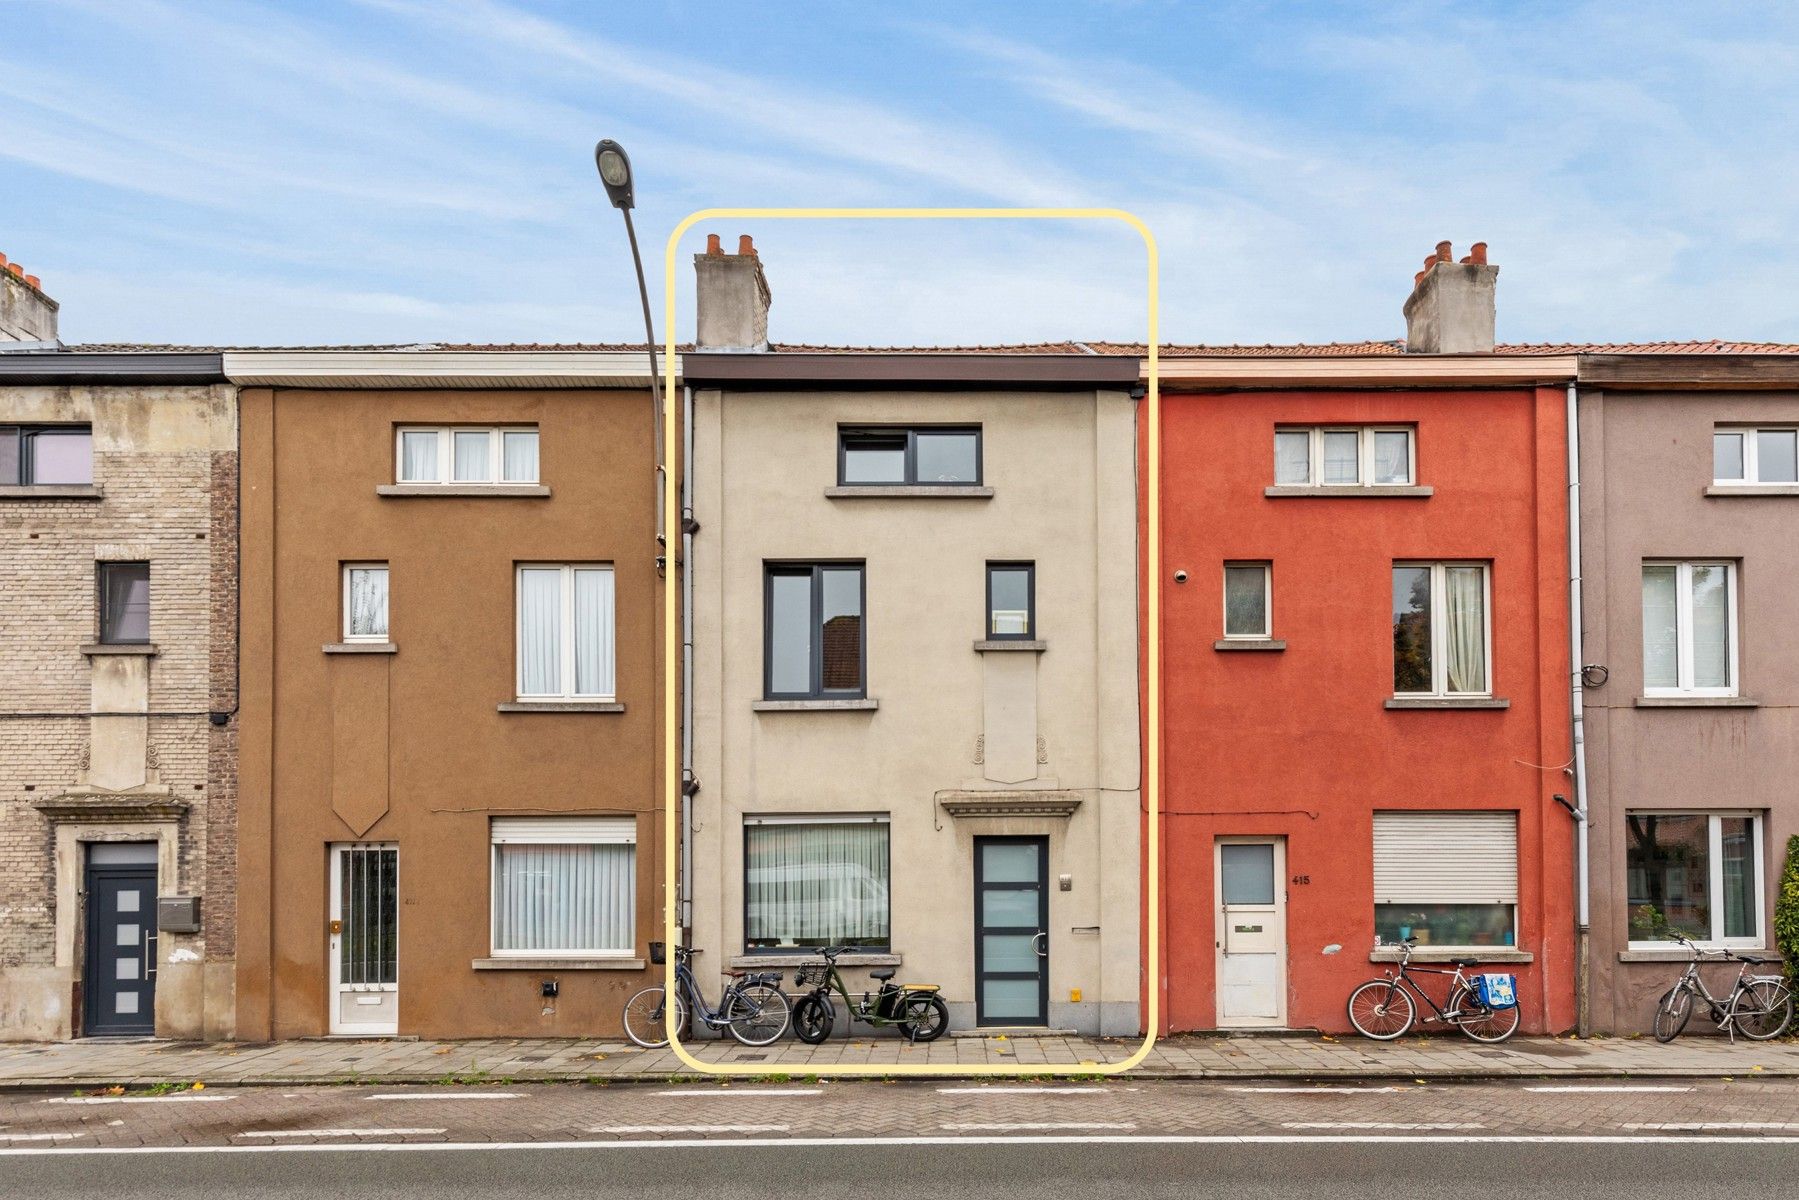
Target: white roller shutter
{"type": "Point", "coordinates": [1446, 858]}
{"type": "Point", "coordinates": [550, 831]}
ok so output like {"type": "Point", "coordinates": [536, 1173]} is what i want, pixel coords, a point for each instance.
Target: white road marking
{"type": "Point", "coordinates": [181, 1098]}
{"type": "Point", "coordinates": [1598, 1087]}
{"type": "Point", "coordinates": [1020, 1091]}
{"type": "Point", "coordinates": [37, 1137]}
{"type": "Point", "coordinates": [303, 1133]}
{"type": "Point", "coordinates": [1708, 1126]}
{"type": "Point", "coordinates": [445, 1096]}
{"type": "Point", "coordinates": [1380, 1125]}
{"type": "Point", "coordinates": [1019, 1126]}
{"type": "Point", "coordinates": [691, 1129]}
{"type": "Point", "coordinates": [697, 1091]}
{"type": "Point", "coordinates": [1372, 1091]}
{"type": "Point", "coordinates": [1145, 1139]}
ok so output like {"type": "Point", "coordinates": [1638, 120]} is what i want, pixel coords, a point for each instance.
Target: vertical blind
{"type": "Point", "coordinates": [816, 883]}
{"type": "Point", "coordinates": [564, 885]}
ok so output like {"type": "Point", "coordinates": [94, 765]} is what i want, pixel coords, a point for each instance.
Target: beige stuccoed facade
{"type": "Point", "coordinates": [951, 743]}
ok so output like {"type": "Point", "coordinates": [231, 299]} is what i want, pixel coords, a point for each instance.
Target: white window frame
{"type": "Point", "coordinates": [566, 666]}
{"type": "Point", "coordinates": [1448, 816]}
{"type": "Point", "coordinates": [1714, 827]}
{"type": "Point", "coordinates": [555, 831]}
{"type": "Point", "coordinates": [365, 638]}
{"type": "Point", "coordinates": [1683, 627]}
{"type": "Point", "coordinates": [1751, 454]}
{"type": "Point", "coordinates": [1365, 457]}
{"type": "Point", "coordinates": [1439, 622]}
{"type": "Point", "coordinates": [446, 455]}
{"type": "Point", "coordinates": [1267, 570]}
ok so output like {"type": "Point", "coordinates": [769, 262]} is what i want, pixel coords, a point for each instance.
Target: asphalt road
{"type": "Point", "coordinates": [1632, 1138]}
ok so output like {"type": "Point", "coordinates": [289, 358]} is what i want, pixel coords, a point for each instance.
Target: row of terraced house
{"type": "Point", "coordinates": [332, 680]}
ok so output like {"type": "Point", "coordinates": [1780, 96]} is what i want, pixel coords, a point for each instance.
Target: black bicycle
{"type": "Point", "coordinates": [1760, 1007]}
{"type": "Point", "coordinates": [1384, 1008]}
{"type": "Point", "coordinates": [753, 1008]}
{"type": "Point", "coordinates": [915, 1008]}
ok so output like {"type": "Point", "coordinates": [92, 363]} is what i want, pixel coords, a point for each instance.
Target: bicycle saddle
{"type": "Point", "coordinates": [884, 974]}
{"type": "Point", "coordinates": [1755, 959]}
{"type": "Point", "coordinates": [1465, 962]}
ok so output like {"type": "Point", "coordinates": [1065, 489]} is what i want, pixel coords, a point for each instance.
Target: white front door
{"type": "Point", "coordinates": [364, 933]}
{"type": "Point", "coordinates": [1252, 932]}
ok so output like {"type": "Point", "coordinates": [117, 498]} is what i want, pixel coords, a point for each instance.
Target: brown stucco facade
{"type": "Point", "coordinates": [1648, 496]}
{"type": "Point", "coordinates": [421, 744]}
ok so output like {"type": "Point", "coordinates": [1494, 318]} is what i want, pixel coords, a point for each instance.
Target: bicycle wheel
{"type": "Point", "coordinates": [1382, 1010]}
{"type": "Point", "coordinates": [923, 1017]}
{"type": "Point", "coordinates": [1479, 1022]}
{"type": "Point", "coordinates": [643, 1018]}
{"type": "Point", "coordinates": [1673, 1012]}
{"type": "Point", "coordinates": [1764, 1010]}
{"type": "Point", "coordinates": [812, 1019]}
{"type": "Point", "coordinates": [758, 1014]}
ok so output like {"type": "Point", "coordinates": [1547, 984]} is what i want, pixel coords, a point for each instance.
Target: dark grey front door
{"type": "Point", "coordinates": [1011, 930]}
{"type": "Point", "coordinates": [119, 996]}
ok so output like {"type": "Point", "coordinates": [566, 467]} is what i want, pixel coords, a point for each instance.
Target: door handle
{"type": "Point", "coordinates": [1040, 943]}
{"type": "Point", "coordinates": [148, 969]}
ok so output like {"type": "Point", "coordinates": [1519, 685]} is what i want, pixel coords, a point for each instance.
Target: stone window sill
{"type": "Point", "coordinates": [938, 491]}
{"type": "Point", "coordinates": [360, 648]}
{"type": "Point", "coordinates": [1442, 954]}
{"type": "Point", "coordinates": [1754, 489]}
{"type": "Point", "coordinates": [1678, 955]}
{"type": "Point", "coordinates": [488, 490]}
{"type": "Point", "coordinates": [1695, 702]}
{"type": "Point", "coordinates": [140, 650]}
{"type": "Point", "coordinates": [52, 491]}
{"type": "Point", "coordinates": [1402, 703]}
{"type": "Point", "coordinates": [1249, 644]}
{"type": "Point", "coordinates": [1024, 644]}
{"type": "Point", "coordinates": [799, 958]}
{"type": "Point", "coordinates": [1384, 492]}
{"type": "Point", "coordinates": [558, 964]}
{"type": "Point", "coordinates": [562, 706]}
{"type": "Point", "coordinates": [863, 705]}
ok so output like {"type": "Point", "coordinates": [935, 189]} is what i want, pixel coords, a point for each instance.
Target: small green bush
{"type": "Point", "coordinates": [1786, 911]}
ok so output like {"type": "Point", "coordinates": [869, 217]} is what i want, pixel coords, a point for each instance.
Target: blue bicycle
{"type": "Point", "coordinates": [753, 1009]}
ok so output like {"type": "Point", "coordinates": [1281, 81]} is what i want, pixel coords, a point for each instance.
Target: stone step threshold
{"type": "Point", "coordinates": [1013, 1031]}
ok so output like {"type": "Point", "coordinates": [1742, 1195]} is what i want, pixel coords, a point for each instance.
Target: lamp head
{"type": "Point", "coordinates": [615, 173]}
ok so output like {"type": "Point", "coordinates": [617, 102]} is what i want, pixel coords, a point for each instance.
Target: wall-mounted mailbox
{"type": "Point", "coordinates": [178, 914]}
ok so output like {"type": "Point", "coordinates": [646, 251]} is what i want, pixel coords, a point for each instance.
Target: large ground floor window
{"type": "Point", "coordinates": [1694, 874]}
{"type": "Point", "coordinates": [816, 881]}
{"type": "Point", "coordinates": [564, 887]}
{"type": "Point", "coordinates": [1446, 878]}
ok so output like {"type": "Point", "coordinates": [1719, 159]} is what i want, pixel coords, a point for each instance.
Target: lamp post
{"type": "Point", "coordinates": [615, 173]}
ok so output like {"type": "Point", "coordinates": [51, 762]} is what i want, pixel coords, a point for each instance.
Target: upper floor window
{"type": "Point", "coordinates": [1750, 455]}
{"type": "Point", "coordinates": [124, 603]}
{"type": "Point", "coordinates": [461, 454]}
{"type": "Point", "coordinates": [365, 602]}
{"type": "Point", "coordinates": [1247, 610]}
{"type": "Point", "coordinates": [1355, 456]}
{"type": "Point", "coordinates": [929, 455]}
{"type": "Point", "coordinates": [816, 645]}
{"type": "Point", "coordinates": [565, 632]}
{"type": "Point", "coordinates": [1694, 874]}
{"type": "Point", "coordinates": [1441, 636]}
{"type": "Point", "coordinates": [1689, 629]}
{"type": "Point", "coordinates": [46, 454]}
{"type": "Point", "coordinates": [1012, 600]}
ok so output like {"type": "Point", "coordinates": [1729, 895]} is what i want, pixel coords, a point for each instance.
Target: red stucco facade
{"type": "Point", "coordinates": [1298, 743]}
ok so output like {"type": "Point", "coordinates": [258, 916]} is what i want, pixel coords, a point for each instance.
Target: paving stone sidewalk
{"type": "Point", "coordinates": [93, 1063]}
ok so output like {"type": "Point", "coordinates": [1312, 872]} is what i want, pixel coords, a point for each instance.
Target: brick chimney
{"type": "Point", "coordinates": [1450, 310]}
{"type": "Point", "coordinates": [26, 314]}
{"type": "Point", "coordinates": [732, 296]}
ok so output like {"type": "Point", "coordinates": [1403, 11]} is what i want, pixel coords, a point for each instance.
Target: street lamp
{"type": "Point", "coordinates": [615, 173]}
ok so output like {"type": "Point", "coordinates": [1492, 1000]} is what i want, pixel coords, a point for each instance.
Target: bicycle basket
{"type": "Point", "coordinates": [1496, 991]}
{"type": "Point", "coordinates": [812, 975]}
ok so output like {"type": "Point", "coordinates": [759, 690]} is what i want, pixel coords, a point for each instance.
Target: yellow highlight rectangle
{"type": "Point", "coordinates": [1152, 725]}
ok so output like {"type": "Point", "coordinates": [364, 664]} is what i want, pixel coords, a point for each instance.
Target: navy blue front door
{"type": "Point", "coordinates": [120, 976]}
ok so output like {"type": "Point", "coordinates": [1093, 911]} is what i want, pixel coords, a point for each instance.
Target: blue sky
{"type": "Point", "coordinates": [421, 170]}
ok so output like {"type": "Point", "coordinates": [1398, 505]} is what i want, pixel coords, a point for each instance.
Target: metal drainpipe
{"type": "Point", "coordinates": [686, 874]}
{"type": "Point", "coordinates": [1582, 854]}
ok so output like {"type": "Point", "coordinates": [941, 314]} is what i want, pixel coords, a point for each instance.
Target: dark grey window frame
{"type": "Point", "coordinates": [846, 434]}
{"type": "Point", "coordinates": [28, 435]}
{"type": "Point", "coordinates": [1030, 621]}
{"type": "Point", "coordinates": [101, 571]}
{"type": "Point", "coordinates": [815, 628]}
{"type": "Point", "coordinates": [885, 947]}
